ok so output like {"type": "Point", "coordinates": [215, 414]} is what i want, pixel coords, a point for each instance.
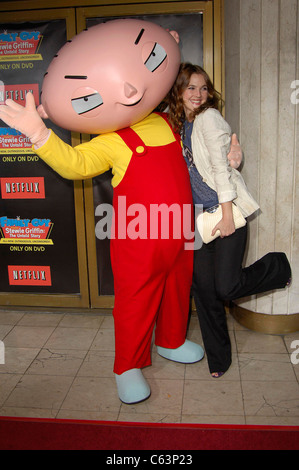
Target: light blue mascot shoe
{"type": "Point", "coordinates": [188, 353]}
{"type": "Point", "coordinates": [132, 386]}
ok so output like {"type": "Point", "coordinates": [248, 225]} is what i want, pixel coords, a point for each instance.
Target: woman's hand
{"type": "Point", "coordinates": [235, 154]}
{"type": "Point", "coordinates": [226, 225]}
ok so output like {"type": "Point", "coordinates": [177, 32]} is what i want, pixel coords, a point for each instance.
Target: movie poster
{"type": "Point", "coordinates": [38, 248]}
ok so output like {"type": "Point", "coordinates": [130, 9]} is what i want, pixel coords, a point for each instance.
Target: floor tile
{"type": "Point", "coordinates": [19, 412]}
{"type": "Point", "coordinates": [104, 340]}
{"type": "Point", "coordinates": [71, 338]}
{"type": "Point", "coordinates": [41, 319]}
{"type": "Point", "coordinates": [39, 391]}
{"type": "Point", "coordinates": [92, 394]}
{"type": "Point", "coordinates": [10, 318]}
{"type": "Point", "coordinates": [97, 364]}
{"type": "Point", "coordinates": [271, 398]}
{"type": "Point", "coordinates": [217, 398]}
{"type": "Point", "coordinates": [166, 398]}
{"type": "Point", "coordinates": [250, 341]}
{"type": "Point", "coordinates": [8, 384]}
{"type": "Point", "coordinates": [81, 321]}
{"type": "Point", "coordinates": [60, 365]}
{"type": "Point", "coordinates": [266, 367]}
{"type": "Point", "coordinates": [28, 336]}
{"type": "Point", "coordinates": [57, 362]}
{"type": "Point", "coordinates": [17, 360]}
{"type": "Point", "coordinates": [4, 330]}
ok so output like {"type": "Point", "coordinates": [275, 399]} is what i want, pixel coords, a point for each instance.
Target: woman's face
{"type": "Point", "coordinates": [195, 95]}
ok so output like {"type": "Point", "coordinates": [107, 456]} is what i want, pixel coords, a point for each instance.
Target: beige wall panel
{"type": "Point", "coordinates": [232, 65]}
{"type": "Point", "coordinates": [294, 292]}
{"type": "Point", "coordinates": [268, 62]}
{"type": "Point", "coordinates": [269, 124]}
{"type": "Point", "coordinates": [286, 148]}
{"type": "Point", "coordinates": [249, 111]}
{"type": "Point", "coordinates": [269, 135]}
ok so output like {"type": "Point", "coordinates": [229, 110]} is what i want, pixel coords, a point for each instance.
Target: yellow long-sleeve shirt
{"type": "Point", "coordinates": [103, 152]}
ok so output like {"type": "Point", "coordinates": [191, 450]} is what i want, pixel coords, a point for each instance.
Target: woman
{"type": "Point", "coordinates": [218, 273]}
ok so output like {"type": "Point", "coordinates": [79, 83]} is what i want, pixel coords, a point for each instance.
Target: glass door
{"type": "Point", "coordinates": [42, 231]}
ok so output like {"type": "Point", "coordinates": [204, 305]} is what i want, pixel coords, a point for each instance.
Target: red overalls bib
{"type": "Point", "coordinates": [152, 274]}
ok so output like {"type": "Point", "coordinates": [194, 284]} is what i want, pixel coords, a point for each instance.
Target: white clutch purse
{"type": "Point", "coordinates": [208, 219]}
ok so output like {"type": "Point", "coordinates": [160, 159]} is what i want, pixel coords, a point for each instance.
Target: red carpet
{"type": "Point", "coordinates": [52, 434]}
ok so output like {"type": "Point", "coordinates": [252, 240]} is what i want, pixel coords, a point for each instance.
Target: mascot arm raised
{"type": "Point", "coordinates": [75, 164]}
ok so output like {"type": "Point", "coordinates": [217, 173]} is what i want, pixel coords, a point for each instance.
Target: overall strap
{"type": "Point", "coordinates": [133, 141]}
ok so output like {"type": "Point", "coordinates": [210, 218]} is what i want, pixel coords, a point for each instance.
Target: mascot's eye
{"type": "Point", "coordinates": [87, 103]}
{"type": "Point", "coordinates": [156, 58]}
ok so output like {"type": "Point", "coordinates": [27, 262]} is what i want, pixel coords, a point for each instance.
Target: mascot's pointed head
{"type": "Point", "coordinates": [110, 76]}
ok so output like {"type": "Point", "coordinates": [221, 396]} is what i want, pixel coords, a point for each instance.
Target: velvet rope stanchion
{"type": "Point", "coordinates": [56, 434]}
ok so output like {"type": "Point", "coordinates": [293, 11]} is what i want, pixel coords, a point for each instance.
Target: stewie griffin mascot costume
{"type": "Point", "coordinates": [107, 81]}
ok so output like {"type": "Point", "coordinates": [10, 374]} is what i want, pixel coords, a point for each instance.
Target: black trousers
{"type": "Point", "coordinates": [219, 276]}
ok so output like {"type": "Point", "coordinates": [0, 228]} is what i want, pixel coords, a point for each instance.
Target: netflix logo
{"type": "Point", "coordinates": [18, 93]}
{"type": "Point", "coordinates": [23, 188]}
{"type": "Point", "coordinates": [29, 275]}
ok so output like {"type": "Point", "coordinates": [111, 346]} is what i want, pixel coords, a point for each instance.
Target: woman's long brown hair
{"type": "Point", "coordinates": [174, 98]}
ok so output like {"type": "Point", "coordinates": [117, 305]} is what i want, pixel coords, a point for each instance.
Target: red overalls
{"type": "Point", "coordinates": [152, 276]}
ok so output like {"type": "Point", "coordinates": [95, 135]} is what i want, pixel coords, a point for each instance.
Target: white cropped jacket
{"type": "Point", "coordinates": [211, 138]}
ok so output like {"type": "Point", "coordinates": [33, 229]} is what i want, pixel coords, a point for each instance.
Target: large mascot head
{"type": "Point", "coordinates": [110, 76]}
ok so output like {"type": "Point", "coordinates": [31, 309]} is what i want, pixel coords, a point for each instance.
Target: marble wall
{"type": "Point", "coordinates": [262, 106]}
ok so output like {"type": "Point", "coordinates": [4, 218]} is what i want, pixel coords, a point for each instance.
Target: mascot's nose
{"type": "Point", "coordinates": [130, 90]}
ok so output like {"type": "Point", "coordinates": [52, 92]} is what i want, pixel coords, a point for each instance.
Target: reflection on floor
{"type": "Point", "coordinates": [59, 365]}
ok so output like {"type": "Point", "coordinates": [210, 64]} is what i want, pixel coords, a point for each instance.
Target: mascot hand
{"type": "Point", "coordinates": [25, 120]}
{"type": "Point", "coordinates": [235, 153]}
